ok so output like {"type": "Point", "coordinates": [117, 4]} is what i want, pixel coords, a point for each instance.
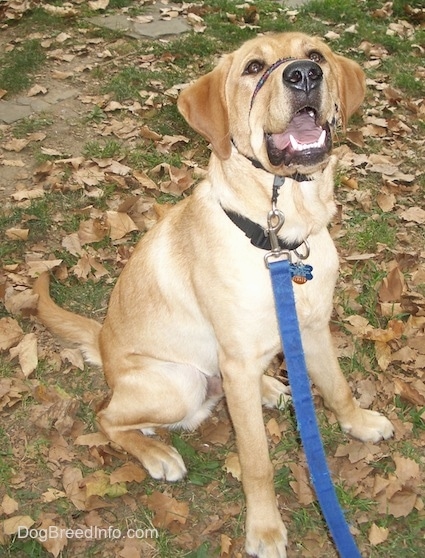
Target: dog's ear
{"type": "Point", "coordinates": [352, 86]}
{"type": "Point", "coordinates": [204, 107]}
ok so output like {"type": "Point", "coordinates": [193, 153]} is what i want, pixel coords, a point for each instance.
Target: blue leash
{"type": "Point", "coordinates": [280, 272]}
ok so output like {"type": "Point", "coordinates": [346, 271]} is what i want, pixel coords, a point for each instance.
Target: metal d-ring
{"type": "Point", "coordinates": [307, 251]}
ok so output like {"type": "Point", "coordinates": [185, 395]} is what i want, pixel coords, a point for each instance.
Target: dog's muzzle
{"type": "Point", "coordinates": [305, 141]}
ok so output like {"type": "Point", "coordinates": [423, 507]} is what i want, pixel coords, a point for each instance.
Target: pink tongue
{"type": "Point", "coordinates": [302, 127]}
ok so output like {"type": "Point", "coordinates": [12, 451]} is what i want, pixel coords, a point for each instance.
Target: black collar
{"type": "Point", "coordinates": [257, 234]}
{"type": "Point", "coordinates": [298, 177]}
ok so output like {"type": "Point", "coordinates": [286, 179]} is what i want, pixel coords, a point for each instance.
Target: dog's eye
{"type": "Point", "coordinates": [316, 56]}
{"type": "Point", "coordinates": [253, 67]}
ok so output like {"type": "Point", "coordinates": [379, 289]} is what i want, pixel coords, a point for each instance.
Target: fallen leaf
{"type": "Point", "coordinates": [55, 540]}
{"type": "Point", "coordinates": [273, 429]}
{"type": "Point", "coordinates": [120, 224]}
{"type": "Point", "coordinates": [12, 525]}
{"type": "Point", "coordinates": [301, 485]}
{"type": "Point", "coordinates": [37, 267]}
{"type": "Point", "coordinates": [52, 494]}
{"type": "Point", "coordinates": [95, 439]}
{"type": "Point", "coordinates": [71, 479]}
{"type": "Point", "coordinates": [232, 465]}
{"type": "Point", "coordinates": [98, 484]}
{"type": "Point", "coordinates": [26, 351]}
{"type": "Point", "coordinates": [9, 505]}
{"type": "Point", "coordinates": [17, 234]}
{"type": "Point", "coordinates": [130, 472]}
{"type": "Point", "coordinates": [415, 214]}
{"type": "Point", "coordinates": [98, 4]}
{"type": "Point", "coordinates": [16, 145]}
{"type": "Point", "coordinates": [36, 90]}
{"type": "Point", "coordinates": [167, 509]}
{"type": "Point", "coordinates": [378, 535]}
{"type": "Point", "coordinates": [392, 286]}
{"type": "Point", "coordinates": [402, 503]}
{"type": "Point", "coordinates": [28, 194]}
{"type": "Point", "coordinates": [10, 333]}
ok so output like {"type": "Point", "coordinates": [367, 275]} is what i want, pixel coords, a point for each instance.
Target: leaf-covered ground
{"type": "Point", "coordinates": [80, 184]}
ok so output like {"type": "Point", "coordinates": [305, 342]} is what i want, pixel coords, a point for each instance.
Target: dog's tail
{"type": "Point", "coordinates": [81, 331]}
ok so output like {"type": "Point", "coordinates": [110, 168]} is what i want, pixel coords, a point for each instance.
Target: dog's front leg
{"type": "Point", "coordinates": [323, 367]}
{"type": "Point", "coordinates": [265, 531]}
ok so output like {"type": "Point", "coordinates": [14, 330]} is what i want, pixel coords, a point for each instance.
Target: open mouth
{"type": "Point", "coordinates": [304, 142]}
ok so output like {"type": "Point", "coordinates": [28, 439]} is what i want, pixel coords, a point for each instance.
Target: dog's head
{"type": "Point", "coordinates": [277, 99]}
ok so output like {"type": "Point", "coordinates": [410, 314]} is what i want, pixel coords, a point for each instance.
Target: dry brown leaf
{"type": "Point", "coordinates": [408, 393]}
{"type": "Point", "coordinates": [8, 505]}
{"type": "Point", "coordinates": [130, 472]}
{"type": "Point", "coordinates": [273, 429]}
{"type": "Point", "coordinates": [37, 90]}
{"type": "Point", "coordinates": [55, 540]}
{"type": "Point", "coordinates": [17, 234]}
{"type": "Point", "coordinates": [10, 333]}
{"type": "Point", "coordinates": [358, 451]}
{"type": "Point", "coordinates": [301, 485]}
{"type": "Point", "coordinates": [92, 230]}
{"type": "Point", "coordinates": [216, 433]}
{"type": "Point", "coordinates": [12, 525]}
{"type": "Point", "coordinates": [72, 243]}
{"type": "Point", "coordinates": [95, 439]}
{"type": "Point", "coordinates": [32, 194]}
{"type": "Point", "coordinates": [52, 494]}
{"type": "Point", "coordinates": [402, 503]}
{"type": "Point", "coordinates": [71, 479]}
{"type": "Point", "coordinates": [37, 267]}
{"type": "Point", "coordinates": [98, 4]}
{"type": "Point", "coordinates": [26, 351]}
{"type": "Point", "coordinates": [386, 202]}
{"type": "Point", "coordinates": [406, 469]}
{"type": "Point", "coordinates": [120, 224]}
{"type": "Point", "coordinates": [225, 545]}
{"type": "Point", "coordinates": [413, 214]}
{"type": "Point", "coordinates": [378, 535]}
{"type": "Point", "coordinates": [232, 465]}
{"type": "Point", "coordinates": [167, 509]}
{"type": "Point", "coordinates": [18, 302]}
{"type": "Point", "coordinates": [16, 144]}
{"type": "Point", "coordinates": [392, 286]}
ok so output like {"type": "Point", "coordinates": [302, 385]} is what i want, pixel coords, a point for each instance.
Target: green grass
{"type": "Point", "coordinates": [17, 68]}
{"type": "Point", "coordinates": [103, 150]}
{"type": "Point", "coordinates": [32, 124]}
{"type": "Point", "coordinates": [208, 487]}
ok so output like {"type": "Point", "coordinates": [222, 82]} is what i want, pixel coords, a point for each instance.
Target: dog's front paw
{"type": "Point", "coordinates": [164, 463]}
{"type": "Point", "coordinates": [368, 426]}
{"type": "Point", "coordinates": [266, 539]}
{"type": "Point", "coordinates": [274, 393]}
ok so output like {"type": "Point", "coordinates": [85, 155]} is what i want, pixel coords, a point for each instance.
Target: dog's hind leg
{"type": "Point", "coordinates": [156, 395]}
{"type": "Point", "coordinates": [274, 393]}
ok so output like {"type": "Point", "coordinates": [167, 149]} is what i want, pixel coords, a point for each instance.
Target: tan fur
{"type": "Point", "coordinates": [194, 303]}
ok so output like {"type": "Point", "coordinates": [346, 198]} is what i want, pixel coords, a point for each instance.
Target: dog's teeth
{"type": "Point", "coordinates": [322, 138]}
{"type": "Point", "coordinates": [294, 143]}
{"type": "Point", "coordinates": [296, 146]}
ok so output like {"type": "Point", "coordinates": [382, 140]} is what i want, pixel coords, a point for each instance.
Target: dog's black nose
{"type": "Point", "coordinates": [303, 75]}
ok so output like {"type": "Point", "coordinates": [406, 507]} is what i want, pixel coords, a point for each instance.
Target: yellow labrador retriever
{"type": "Point", "coordinates": [192, 314]}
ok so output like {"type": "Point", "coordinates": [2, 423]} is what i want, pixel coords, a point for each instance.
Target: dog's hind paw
{"type": "Point", "coordinates": [368, 426]}
{"type": "Point", "coordinates": [164, 463]}
{"type": "Point", "coordinates": [274, 393]}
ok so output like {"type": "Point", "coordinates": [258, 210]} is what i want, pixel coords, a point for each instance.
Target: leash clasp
{"type": "Point", "coordinates": [275, 220]}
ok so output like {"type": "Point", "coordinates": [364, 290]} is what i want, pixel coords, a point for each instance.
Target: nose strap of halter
{"type": "Point", "coordinates": [265, 76]}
